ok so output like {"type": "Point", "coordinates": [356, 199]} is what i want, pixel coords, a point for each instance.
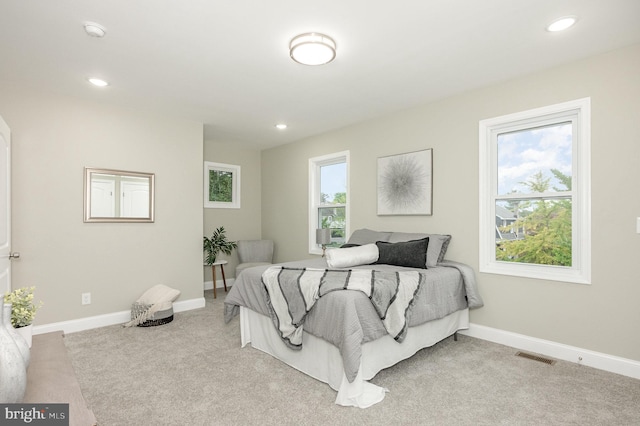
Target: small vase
{"type": "Point", "coordinates": [27, 334]}
{"type": "Point", "coordinates": [13, 371]}
{"type": "Point", "coordinates": [21, 342]}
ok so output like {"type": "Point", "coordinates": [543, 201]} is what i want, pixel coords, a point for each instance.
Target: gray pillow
{"type": "Point", "coordinates": [412, 254]}
{"type": "Point", "coordinates": [367, 236]}
{"type": "Point", "coordinates": [446, 239]}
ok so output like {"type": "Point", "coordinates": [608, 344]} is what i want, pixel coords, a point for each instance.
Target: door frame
{"type": "Point", "coordinates": [5, 208]}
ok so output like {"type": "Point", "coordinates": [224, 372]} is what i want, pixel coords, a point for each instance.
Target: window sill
{"type": "Point", "coordinates": [538, 272]}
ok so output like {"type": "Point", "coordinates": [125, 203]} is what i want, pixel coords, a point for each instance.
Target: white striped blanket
{"type": "Point", "coordinates": [293, 292]}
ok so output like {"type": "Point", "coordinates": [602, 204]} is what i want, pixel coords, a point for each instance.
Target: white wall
{"type": "Point", "coordinates": [603, 316]}
{"type": "Point", "coordinates": [53, 138]}
{"type": "Point", "coordinates": [243, 223]}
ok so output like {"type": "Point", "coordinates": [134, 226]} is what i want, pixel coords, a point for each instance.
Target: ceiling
{"type": "Point", "coordinates": [226, 63]}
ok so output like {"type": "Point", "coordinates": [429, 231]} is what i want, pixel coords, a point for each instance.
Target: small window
{"type": "Point", "coordinates": [328, 198]}
{"type": "Point", "coordinates": [534, 193]}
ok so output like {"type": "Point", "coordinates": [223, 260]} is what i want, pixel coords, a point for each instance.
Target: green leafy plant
{"type": "Point", "coordinates": [216, 244]}
{"type": "Point", "coordinates": [23, 309]}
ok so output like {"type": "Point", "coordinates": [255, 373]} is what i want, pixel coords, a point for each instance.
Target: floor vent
{"type": "Point", "coordinates": [536, 358]}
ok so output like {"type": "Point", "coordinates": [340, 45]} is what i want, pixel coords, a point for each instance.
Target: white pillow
{"type": "Point", "coordinates": [352, 256]}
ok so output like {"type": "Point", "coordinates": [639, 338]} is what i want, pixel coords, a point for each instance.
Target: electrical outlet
{"type": "Point", "coordinates": [86, 298]}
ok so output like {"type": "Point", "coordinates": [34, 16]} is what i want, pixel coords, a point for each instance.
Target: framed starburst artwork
{"type": "Point", "coordinates": [405, 183]}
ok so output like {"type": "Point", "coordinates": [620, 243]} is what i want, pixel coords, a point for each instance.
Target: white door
{"type": "Point", "coordinates": [5, 207]}
{"type": "Point", "coordinates": [135, 198]}
{"type": "Point", "coordinates": [103, 200]}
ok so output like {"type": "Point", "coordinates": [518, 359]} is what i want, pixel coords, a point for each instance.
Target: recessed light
{"type": "Point", "coordinates": [94, 30]}
{"type": "Point", "coordinates": [98, 82]}
{"type": "Point", "coordinates": [281, 126]}
{"type": "Point", "coordinates": [562, 24]}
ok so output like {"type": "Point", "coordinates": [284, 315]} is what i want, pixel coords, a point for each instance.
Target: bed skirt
{"type": "Point", "coordinates": [322, 361]}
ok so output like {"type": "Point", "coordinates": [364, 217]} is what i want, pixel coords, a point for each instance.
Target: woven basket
{"type": "Point", "coordinates": [158, 318]}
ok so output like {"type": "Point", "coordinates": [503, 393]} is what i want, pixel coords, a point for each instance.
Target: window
{"type": "Point", "coordinates": [329, 198]}
{"type": "Point", "coordinates": [221, 185]}
{"type": "Point", "coordinates": [535, 214]}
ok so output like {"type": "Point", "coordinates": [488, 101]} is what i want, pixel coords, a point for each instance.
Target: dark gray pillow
{"type": "Point", "coordinates": [438, 244]}
{"type": "Point", "coordinates": [412, 254]}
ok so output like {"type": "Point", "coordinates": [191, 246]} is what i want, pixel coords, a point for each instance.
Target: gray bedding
{"type": "Point", "coordinates": [347, 319]}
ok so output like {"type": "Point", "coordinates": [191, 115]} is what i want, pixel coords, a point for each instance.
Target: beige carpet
{"type": "Point", "coordinates": [193, 372]}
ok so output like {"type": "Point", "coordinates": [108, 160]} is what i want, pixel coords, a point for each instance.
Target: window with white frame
{"type": "Point", "coordinates": [329, 198]}
{"type": "Point", "coordinates": [535, 207]}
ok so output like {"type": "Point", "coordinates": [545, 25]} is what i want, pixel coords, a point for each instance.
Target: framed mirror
{"type": "Point", "coordinates": [118, 196]}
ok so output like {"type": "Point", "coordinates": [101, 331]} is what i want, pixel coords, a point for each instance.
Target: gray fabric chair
{"type": "Point", "coordinates": [253, 253]}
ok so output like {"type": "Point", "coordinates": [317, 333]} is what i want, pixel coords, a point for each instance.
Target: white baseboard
{"type": "Point", "coordinates": [601, 361]}
{"type": "Point", "coordinates": [97, 321]}
{"type": "Point", "coordinates": [121, 317]}
{"type": "Point", "coordinates": [208, 285]}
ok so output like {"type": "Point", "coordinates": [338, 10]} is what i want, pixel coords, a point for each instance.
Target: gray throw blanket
{"type": "Point", "coordinates": [293, 292]}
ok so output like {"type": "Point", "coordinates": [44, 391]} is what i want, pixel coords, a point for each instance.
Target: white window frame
{"type": "Point", "coordinates": [235, 190]}
{"type": "Point", "coordinates": [315, 164]}
{"type": "Point", "coordinates": [579, 113]}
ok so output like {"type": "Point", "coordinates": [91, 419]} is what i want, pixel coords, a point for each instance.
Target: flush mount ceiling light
{"type": "Point", "coordinates": [312, 49]}
{"type": "Point", "coordinates": [281, 126]}
{"type": "Point", "coordinates": [94, 30]}
{"type": "Point", "coordinates": [98, 82]}
{"type": "Point", "coordinates": [562, 24]}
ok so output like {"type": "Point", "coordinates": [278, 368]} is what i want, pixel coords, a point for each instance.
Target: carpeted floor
{"type": "Point", "coordinates": [193, 372]}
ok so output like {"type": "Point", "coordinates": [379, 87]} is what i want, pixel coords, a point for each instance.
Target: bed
{"type": "Point", "coordinates": [342, 339]}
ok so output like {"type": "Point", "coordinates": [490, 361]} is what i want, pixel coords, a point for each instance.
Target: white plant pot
{"type": "Point", "coordinates": [27, 333]}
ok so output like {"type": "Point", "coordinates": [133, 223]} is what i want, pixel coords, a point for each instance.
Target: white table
{"type": "Point", "coordinates": [221, 264]}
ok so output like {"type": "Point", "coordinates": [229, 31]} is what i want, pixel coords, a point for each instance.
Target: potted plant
{"type": "Point", "coordinates": [23, 310]}
{"type": "Point", "coordinates": [216, 244]}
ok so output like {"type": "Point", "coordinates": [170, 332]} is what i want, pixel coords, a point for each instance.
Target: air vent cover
{"type": "Point", "coordinates": [536, 358]}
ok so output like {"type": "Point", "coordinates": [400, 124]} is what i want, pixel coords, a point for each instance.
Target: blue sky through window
{"type": "Point", "coordinates": [333, 179]}
{"type": "Point", "coordinates": [522, 154]}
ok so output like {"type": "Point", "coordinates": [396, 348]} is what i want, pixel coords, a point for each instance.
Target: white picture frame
{"type": "Point", "coordinates": [405, 184]}
{"type": "Point", "coordinates": [221, 186]}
